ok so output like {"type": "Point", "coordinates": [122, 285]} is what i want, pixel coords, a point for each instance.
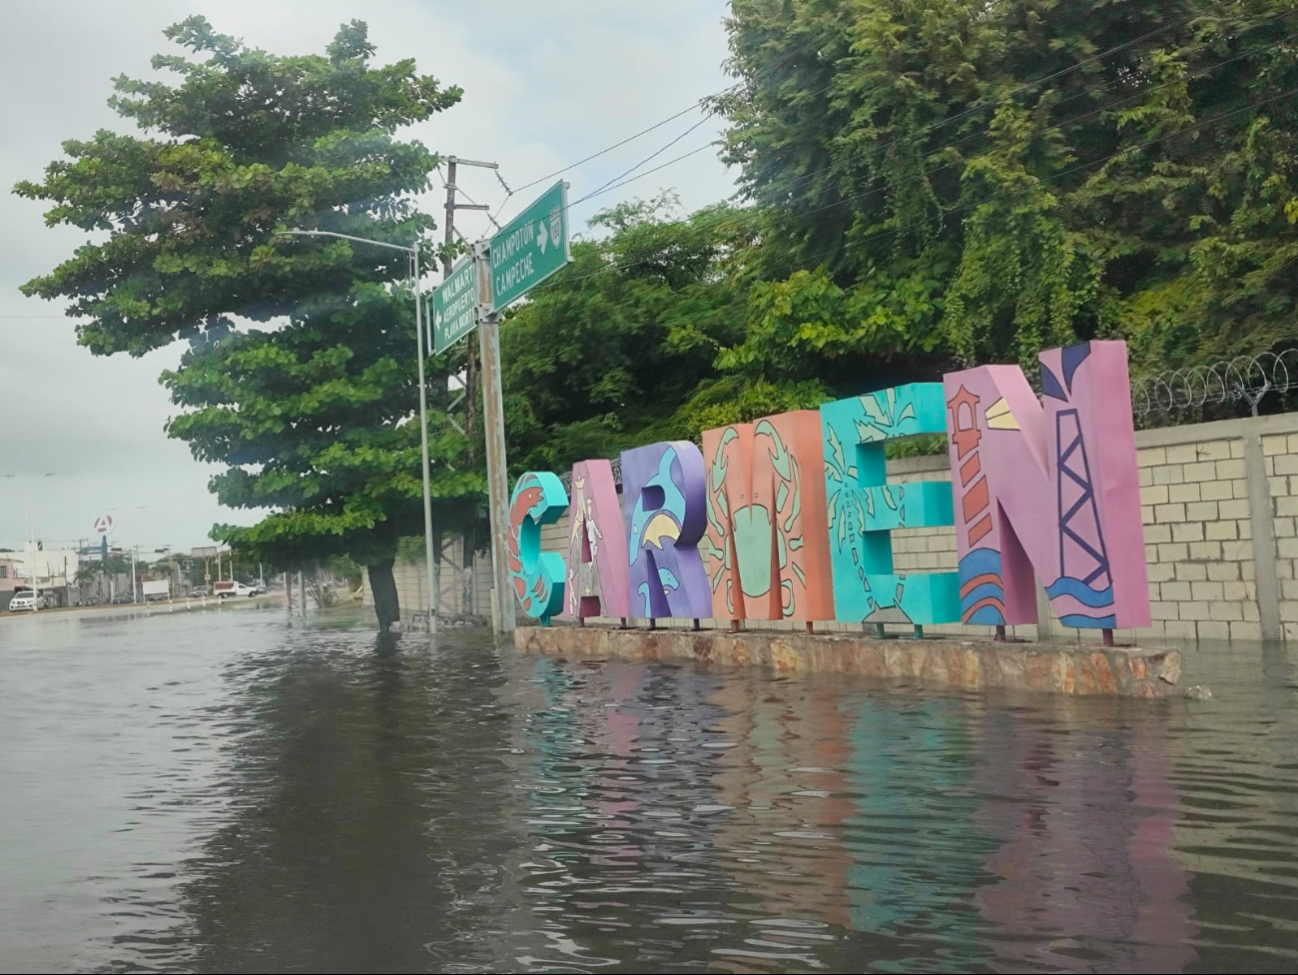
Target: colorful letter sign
{"type": "Point", "coordinates": [539, 499]}
{"type": "Point", "coordinates": [597, 556]}
{"type": "Point", "coordinates": [767, 552]}
{"type": "Point", "coordinates": [798, 512]}
{"type": "Point", "coordinates": [1049, 485]}
{"type": "Point", "coordinates": [864, 508]}
{"type": "Point", "coordinates": [662, 502]}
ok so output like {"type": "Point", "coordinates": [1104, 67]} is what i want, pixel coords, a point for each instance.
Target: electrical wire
{"type": "Point", "coordinates": [915, 224]}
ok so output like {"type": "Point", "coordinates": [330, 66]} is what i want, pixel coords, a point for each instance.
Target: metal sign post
{"type": "Point", "coordinates": [526, 251]}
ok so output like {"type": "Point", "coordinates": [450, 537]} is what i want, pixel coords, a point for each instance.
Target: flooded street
{"type": "Point", "coordinates": [234, 792]}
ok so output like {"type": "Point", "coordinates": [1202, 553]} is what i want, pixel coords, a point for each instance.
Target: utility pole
{"type": "Point", "coordinates": [493, 410]}
{"type": "Point", "coordinates": [470, 366]}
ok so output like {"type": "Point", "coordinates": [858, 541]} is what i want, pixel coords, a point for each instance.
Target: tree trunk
{"type": "Point", "coordinates": [384, 588]}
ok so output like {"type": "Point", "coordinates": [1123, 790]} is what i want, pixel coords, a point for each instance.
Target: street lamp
{"type": "Point", "coordinates": [31, 521]}
{"type": "Point", "coordinates": [423, 396]}
{"type": "Point", "coordinates": [135, 551]}
{"type": "Point", "coordinates": [31, 534]}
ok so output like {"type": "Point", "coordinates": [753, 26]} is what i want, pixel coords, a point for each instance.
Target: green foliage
{"type": "Point", "coordinates": [955, 207]}
{"type": "Point", "coordinates": [347, 568]}
{"type": "Point", "coordinates": [603, 355]}
{"type": "Point", "coordinates": [734, 399]}
{"type": "Point", "coordinates": [311, 417]}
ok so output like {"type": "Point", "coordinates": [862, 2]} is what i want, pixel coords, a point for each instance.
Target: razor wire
{"type": "Point", "coordinates": [1243, 380]}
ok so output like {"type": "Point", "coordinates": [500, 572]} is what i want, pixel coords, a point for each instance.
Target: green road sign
{"type": "Point", "coordinates": [455, 303]}
{"type": "Point", "coordinates": [531, 247]}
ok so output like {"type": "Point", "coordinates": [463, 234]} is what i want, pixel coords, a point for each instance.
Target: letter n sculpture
{"type": "Point", "coordinates": [1049, 485]}
{"type": "Point", "coordinates": [864, 509]}
{"type": "Point", "coordinates": [662, 500]}
{"type": "Point", "coordinates": [539, 499]}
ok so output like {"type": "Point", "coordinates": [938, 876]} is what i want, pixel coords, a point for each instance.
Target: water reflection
{"type": "Point", "coordinates": [249, 795]}
{"type": "Point", "coordinates": [1078, 807]}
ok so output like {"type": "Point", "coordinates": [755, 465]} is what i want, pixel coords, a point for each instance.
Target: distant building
{"type": "Point", "coordinates": [10, 580]}
{"type": "Point", "coordinates": [48, 570]}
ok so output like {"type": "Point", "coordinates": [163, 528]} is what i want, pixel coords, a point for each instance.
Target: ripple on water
{"type": "Point", "coordinates": [233, 792]}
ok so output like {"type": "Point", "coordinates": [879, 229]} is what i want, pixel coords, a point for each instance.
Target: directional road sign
{"type": "Point", "coordinates": [455, 304]}
{"type": "Point", "coordinates": [531, 247]}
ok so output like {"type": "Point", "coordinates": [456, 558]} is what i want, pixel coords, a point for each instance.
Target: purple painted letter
{"type": "Point", "coordinates": [666, 516]}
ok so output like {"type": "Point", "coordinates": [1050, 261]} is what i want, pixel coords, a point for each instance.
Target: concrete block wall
{"type": "Point", "coordinates": [1198, 538]}
{"type": "Point", "coordinates": [1280, 461]}
{"type": "Point", "coordinates": [1220, 507]}
{"type": "Point", "coordinates": [412, 583]}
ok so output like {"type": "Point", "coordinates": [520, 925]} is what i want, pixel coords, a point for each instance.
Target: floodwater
{"type": "Point", "coordinates": [235, 792]}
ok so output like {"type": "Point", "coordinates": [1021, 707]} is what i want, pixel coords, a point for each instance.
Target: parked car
{"type": "Point", "coordinates": [198, 591]}
{"type": "Point", "coordinates": [122, 598]}
{"type": "Point", "coordinates": [224, 590]}
{"type": "Point", "coordinates": [23, 601]}
{"type": "Point", "coordinates": [90, 601]}
{"type": "Point", "coordinates": [156, 597]}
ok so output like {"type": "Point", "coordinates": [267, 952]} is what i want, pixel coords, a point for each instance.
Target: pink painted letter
{"type": "Point", "coordinates": [598, 578]}
{"type": "Point", "coordinates": [1049, 485]}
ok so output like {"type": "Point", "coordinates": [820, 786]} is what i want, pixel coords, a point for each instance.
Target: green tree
{"type": "Point", "coordinates": [960, 182]}
{"type": "Point", "coordinates": [620, 349]}
{"type": "Point", "coordinates": [311, 416]}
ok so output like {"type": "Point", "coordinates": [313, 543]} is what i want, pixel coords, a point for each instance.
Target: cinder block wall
{"type": "Point", "coordinates": [412, 583]}
{"type": "Point", "coordinates": [1220, 506]}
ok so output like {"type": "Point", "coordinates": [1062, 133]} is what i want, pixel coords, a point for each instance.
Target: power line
{"type": "Point", "coordinates": [653, 155]}
{"type": "Point", "coordinates": [607, 149]}
{"type": "Point", "coordinates": [1095, 90]}
{"type": "Point", "coordinates": [648, 172]}
{"type": "Point", "coordinates": [1000, 99]}
{"type": "Point", "coordinates": [1095, 162]}
{"type": "Point", "coordinates": [698, 103]}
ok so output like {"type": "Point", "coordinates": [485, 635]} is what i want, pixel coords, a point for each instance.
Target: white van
{"type": "Point", "coordinates": [224, 590]}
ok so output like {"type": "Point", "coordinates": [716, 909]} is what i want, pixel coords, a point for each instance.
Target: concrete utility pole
{"type": "Point", "coordinates": [493, 410]}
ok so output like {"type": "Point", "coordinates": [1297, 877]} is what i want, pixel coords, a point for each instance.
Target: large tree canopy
{"type": "Point", "coordinates": [620, 349]}
{"type": "Point", "coordinates": [981, 180]}
{"type": "Point", "coordinates": [312, 417]}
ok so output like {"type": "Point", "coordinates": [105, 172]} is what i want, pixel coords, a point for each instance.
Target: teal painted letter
{"type": "Point", "coordinates": [537, 577]}
{"type": "Point", "coordinates": [864, 508]}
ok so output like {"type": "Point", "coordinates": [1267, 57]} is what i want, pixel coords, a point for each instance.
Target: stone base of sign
{"type": "Point", "coordinates": [1051, 668]}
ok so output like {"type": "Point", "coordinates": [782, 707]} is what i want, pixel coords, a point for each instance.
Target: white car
{"type": "Point", "coordinates": [224, 590]}
{"type": "Point", "coordinates": [29, 601]}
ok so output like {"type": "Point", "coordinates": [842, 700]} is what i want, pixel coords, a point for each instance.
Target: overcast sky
{"type": "Point", "coordinates": [545, 84]}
